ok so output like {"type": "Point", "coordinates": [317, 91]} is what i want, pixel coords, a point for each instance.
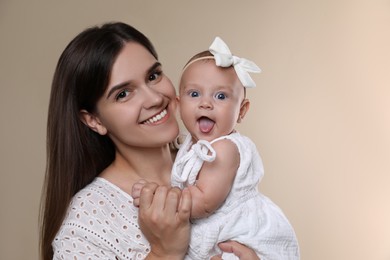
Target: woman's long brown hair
{"type": "Point", "coordinates": [76, 154]}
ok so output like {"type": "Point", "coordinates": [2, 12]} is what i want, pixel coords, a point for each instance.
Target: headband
{"type": "Point", "coordinates": [224, 58]}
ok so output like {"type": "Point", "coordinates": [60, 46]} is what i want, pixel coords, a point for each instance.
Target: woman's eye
{"type": "Point", "coordinates": [122, 94]}
{"type": "Point", "coordinates": [155, 75]}
{"type": "Point", "coordinates": [221, 96]}
{"type": "Point", "coordinates": [194, 94]}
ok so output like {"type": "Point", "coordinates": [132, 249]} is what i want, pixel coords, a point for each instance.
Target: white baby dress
{"type": "Point", "coordinates": [247, 216]}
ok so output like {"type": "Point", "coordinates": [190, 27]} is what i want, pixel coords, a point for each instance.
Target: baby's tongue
{"type": "Point", "coordinates": [205, 124]}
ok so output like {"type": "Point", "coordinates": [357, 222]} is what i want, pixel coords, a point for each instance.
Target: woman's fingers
{"type": "Point", "coordinates": [147, 196]}
{"type": "Point", "coordinates": [136, 191]}
{"type": "Point", "coordinates": [164, 220]}
{"type": "Point", "coordinates": [240, 250]}
{"type": "Point", "coordinates": [185, 205]}
{"type": "Point", "coordinates": [172, 202]}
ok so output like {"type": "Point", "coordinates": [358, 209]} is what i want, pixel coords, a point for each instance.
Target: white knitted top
{"type": "Point", "coordinates": [101, 223]}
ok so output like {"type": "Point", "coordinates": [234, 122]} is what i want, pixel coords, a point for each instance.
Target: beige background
{"type": "Point", "coordinates": [320, 115]}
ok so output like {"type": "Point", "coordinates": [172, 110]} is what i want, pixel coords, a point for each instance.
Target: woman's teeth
{"type": "Point", "coordinates": [156, 118]}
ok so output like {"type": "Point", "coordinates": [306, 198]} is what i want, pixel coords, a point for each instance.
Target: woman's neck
{"type": "Point", "coordinates": [133, 164]}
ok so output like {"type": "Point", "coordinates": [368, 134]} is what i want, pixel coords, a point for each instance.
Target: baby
{"type": "Point", "coordinates": [221, 167]}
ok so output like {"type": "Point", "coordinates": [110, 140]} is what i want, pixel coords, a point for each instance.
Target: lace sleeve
{"type": "Point", "coordinates": [101, 223]}
{"type": "Point", "coordinates": [74, 245]}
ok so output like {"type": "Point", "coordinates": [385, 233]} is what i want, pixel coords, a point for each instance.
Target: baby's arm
{"type": "Point", "coordinates": [215, 179]}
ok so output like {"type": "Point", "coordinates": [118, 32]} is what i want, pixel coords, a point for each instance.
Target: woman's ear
{"type": "Point", "coordinates": [93, 122]}
{"type": "Point", "coordinates": [243, 109]}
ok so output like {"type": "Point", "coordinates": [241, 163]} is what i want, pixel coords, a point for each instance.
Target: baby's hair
{"type": "Point", "coordinates": [205, 56]}
{"type": "Point", "coordinates": [199, 55]}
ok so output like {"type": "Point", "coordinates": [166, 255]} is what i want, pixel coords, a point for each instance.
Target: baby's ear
{"type": "Point", "coordinates": [93, 122]}
{"type": "Point", "coordinates": [178, 103]}
{"type": "Point", "coordinates": [243, 109]}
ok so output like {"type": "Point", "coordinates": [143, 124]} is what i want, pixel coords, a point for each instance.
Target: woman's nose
{"type": "Point", "coordinates": [152, 98]}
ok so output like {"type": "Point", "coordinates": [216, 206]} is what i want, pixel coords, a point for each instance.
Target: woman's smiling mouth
{"type": "Point", "coordinates": [156, 118]}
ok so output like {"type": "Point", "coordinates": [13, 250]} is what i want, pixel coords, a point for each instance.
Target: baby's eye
{"type": "Point", "coordinates": [194, 94]}
{"type": "Point", "coordinates": [221, 96]}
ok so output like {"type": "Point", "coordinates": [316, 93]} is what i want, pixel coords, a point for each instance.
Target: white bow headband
{"type": "Point", "coordinates": [224, 58]}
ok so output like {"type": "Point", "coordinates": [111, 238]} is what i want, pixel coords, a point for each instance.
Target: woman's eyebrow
{"type": "Point", "coordinates": [154, 66]}
{"type": "Point", "coordinates": [126, 83]}
{"type": "Point", "coordinates": [116, 87]}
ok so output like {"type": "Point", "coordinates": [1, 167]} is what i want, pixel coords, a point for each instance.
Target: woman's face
{"type": "Point", "coordinates": [138, 107]}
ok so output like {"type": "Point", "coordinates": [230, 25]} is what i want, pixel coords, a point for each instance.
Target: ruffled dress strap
{"type": "Point", "coordinates": [189, 160]}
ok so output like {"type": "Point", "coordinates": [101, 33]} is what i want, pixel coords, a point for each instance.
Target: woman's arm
{"type": "Point", "coordinates": [215, 179]}
{"type": "Point", "coordinates": [74, 244]}
{"type": "Point", "coordinates": [164, 220]}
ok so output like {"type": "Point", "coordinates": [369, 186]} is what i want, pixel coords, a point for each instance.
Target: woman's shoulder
{"type": "Point", "coordinates": [97, 198]}
{"type": "Point", "coordinates": [102, 216]}
{"type": "Point", "coordinates": [101, 204]}
{"type": "Point", "coordinates": [104, 189]}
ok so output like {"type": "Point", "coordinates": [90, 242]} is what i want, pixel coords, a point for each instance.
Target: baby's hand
{"type": "Point", "coordinates": [136, 191]}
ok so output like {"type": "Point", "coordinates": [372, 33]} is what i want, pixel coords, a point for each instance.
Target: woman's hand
{"type": "Point", "coordinates": [241, 251]}
{"type": "Point", "coordinates": [164, 214]}
{"type": "Point", "coordinates": [136, 191]}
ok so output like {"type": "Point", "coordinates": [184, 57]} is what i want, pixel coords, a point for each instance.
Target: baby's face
{"type": "Point", "coordinates": [210, 99]}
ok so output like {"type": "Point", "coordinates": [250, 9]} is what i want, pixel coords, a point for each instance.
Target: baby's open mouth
{"type": "Point", "coordinates": [205, 124]}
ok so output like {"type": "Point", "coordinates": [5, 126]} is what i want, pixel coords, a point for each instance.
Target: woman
{"type": "Point", "coordinates": [111, 119]}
